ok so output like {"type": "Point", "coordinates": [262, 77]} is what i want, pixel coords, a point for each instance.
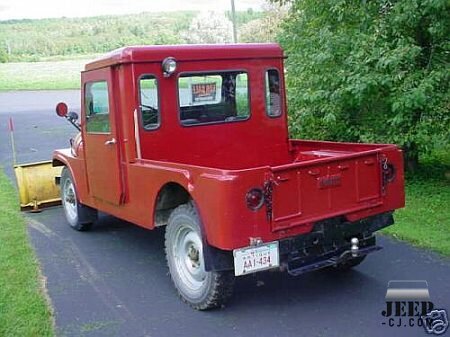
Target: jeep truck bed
{"type": "Point", "coordinates": [328, 179]}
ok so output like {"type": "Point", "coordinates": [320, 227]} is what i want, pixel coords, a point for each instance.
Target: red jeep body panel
{"type": "Point", "coordinates": [217, 164]}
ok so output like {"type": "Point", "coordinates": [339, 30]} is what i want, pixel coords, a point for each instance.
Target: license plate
{"type": "Point", "coordinates": [252, 259]}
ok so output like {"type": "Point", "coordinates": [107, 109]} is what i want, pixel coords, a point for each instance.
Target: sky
{"type": "Point", "coordinates": [39, 9]}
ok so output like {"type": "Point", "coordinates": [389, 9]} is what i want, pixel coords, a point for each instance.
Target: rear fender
{"type": "Point", "coordinates": [215, 259]}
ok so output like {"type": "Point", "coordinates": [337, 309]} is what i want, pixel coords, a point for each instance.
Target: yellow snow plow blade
{"type": "Point", "coordinates": [37, 185]}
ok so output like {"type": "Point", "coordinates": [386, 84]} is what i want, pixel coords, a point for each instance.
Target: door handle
{"type": "Point", "coordinates": [112, 141]}
{"type": "Point", "coordinates": [314, 172]}
{"type": "Point", "coordinates": [282, 179]}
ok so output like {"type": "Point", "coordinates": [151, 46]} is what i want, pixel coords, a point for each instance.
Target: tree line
{"type": "Point", "coordinates": [32, 40]}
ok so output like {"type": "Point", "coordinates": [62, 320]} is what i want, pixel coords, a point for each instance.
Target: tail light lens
{"type": "Point", "coordinates": [254, 198]}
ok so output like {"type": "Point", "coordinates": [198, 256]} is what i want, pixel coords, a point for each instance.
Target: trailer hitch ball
{"type": "Point", "coordinates": [355, 247]}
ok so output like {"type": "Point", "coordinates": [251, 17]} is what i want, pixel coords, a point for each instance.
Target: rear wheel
{"type": "Point", "coordinates": [199, 288]}
{"type": "Point", "coordinates": [78, 216]}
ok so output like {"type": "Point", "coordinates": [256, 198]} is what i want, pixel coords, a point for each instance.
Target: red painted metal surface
{"type": "Point", "coordinates": [102, 167]}
{"type": "Point", "coordinates": [146, 54]}
{"type": "Point", "coordinates": [219, 163]}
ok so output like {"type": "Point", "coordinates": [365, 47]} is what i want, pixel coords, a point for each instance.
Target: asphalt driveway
{"type": "Point", "coordinates": [113, 281]}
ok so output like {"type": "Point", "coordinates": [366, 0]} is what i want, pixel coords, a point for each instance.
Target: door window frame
{"type": "Point", "coordinates": [86, 109]}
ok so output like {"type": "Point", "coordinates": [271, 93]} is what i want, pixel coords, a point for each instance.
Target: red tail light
{"type": "Point", "coordinates": [255, 198]}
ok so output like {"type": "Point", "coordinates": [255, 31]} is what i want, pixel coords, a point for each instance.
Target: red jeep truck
{"type": "Point", "coordinates": [195, 138]}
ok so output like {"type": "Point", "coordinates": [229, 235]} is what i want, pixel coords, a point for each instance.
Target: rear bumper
{"type": "Point", "coordinates": [326, 245]}
{"type": "Point", "coordinates": [327, 260]}
{"type": "Point", "coordinates": [329, 243]}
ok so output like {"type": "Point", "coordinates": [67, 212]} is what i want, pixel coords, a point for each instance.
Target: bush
{"type": "Point", "coordinates": [3, 55]}
{"type": "Point", "coordinates": [375, 71]}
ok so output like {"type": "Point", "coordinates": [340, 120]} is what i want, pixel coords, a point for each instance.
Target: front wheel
{"type": "Point", "coordinates": [79, 217]}
{"type": "Point", "coordinates": [199, 288]}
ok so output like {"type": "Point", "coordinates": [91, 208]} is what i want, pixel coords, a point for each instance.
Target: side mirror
{"type": "Point", "coordinates": [62, 109]}
{"type": "Point", "coordinates": [72, 116]}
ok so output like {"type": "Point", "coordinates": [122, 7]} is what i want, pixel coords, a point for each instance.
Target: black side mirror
{"type": "Point", "coordinates": [73, 116]}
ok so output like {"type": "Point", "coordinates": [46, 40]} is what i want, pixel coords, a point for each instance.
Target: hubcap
{"type": "Point", "coordinates": [188, 257]}
{"type": "Point", "coordinates": [70, 200]}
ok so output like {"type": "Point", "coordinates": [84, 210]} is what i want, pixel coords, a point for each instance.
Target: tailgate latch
{"type": "Point", "coordinates": [268, 193]}
{"type": "Point", "coordinates": [388, 173]}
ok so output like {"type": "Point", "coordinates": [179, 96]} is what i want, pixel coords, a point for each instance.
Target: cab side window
{"type": "Point", "coordinates": [273, 93]}
{"type": "Point", "coordinates": [148, 102]}
{"type": "Point", "coordinates": [97, 107]}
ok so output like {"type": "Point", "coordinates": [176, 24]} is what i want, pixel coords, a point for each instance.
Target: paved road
{"type": "Point", "coordinates": [37, 129]}
{"type": "Point", "coordinates": [113, 281]}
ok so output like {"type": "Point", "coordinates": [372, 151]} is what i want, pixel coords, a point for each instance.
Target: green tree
{"type": "Point", "coordinates": [209, 27]}
{"type": "Point", "coordinates": [375, 71]}
{"type": "Point", "coordinates": [265, 28]}
{"type": "Point", "coordinates": [3, 55]}
{"type": "Point", "coordinates": [32, 40]}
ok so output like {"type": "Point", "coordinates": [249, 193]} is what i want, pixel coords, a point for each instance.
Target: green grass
{"type": "Point", "coordinates": [47, 75]}
{"type": "Point", "coordinates": [58, 72]}
{"type": "Point", "coordinates": [425, 221]}
{"type": "Point", "coordinates": [24, 310]}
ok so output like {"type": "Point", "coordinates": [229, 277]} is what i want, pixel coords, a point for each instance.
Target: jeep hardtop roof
{"type": "Point", "coordinates": [140, 54]}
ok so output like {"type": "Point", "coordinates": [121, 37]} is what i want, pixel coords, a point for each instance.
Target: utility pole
{"type": "Point", "coordinates": [233, 18]}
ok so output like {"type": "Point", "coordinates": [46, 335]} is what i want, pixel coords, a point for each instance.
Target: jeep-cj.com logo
{"type": "Point", "coordinates": [408, 304]}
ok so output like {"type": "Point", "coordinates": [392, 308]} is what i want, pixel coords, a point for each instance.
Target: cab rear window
{"type": "Point", "coordinates": [219, 97]}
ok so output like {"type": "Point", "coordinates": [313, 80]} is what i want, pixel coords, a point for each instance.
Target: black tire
{"type": "Point", "coordinates": [79, 216]}
{"type": "Point", "coordinates": [350, 263]}
{"type": "Point", "coordinates": [200, 289]}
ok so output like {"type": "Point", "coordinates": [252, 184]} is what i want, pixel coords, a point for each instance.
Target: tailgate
{"type": "Point", "coordinates": [307, 192]}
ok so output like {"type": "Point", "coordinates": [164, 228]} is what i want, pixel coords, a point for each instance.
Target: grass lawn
{"type": "Point", "coordinates": [24, 310]}
{"type": "Point", "coordinates": [48, 75]}
{"type": "Point", "coordinates": [425, 221]}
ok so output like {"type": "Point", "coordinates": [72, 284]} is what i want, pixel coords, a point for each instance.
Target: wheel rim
{"type": "Point", "coordinates": [188, 257]}
{"type": "Point", "coordinates": [70, 200]}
